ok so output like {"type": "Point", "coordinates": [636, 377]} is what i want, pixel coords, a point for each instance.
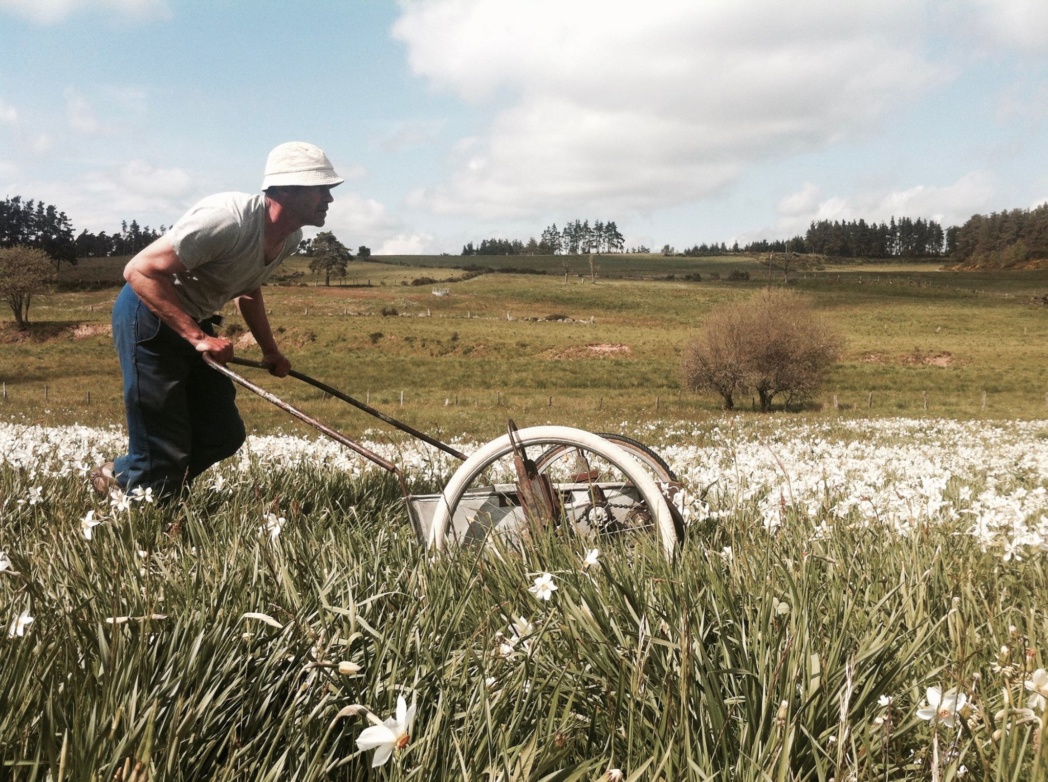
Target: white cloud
{"type": "Point", "coordinates": [144, 179]}
{"type": "Point", "coordinates": [405, 244]}
{"type": "Point", "coordinates": [653, 104]}
{"type": "Point", "coordinates": [1021, 24]}
{"type": "Point", "coordinates": [80, 115]}
{"type": "Point", "coordinates": [8, 114]}
{"type": "Point", "coordinates": [801, 202]}
{"type": "Point", "coordinates": [55, 11]}
{"type": "Point", "coordinates": [42, 144]}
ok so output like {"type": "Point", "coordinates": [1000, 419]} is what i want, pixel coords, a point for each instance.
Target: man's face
{"type": "Point", "coordinates": [308, 204]}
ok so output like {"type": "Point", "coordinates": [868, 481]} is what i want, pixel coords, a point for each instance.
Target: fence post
{"type": "Point", "coordinates": [45, 392]}
{"type": "Point", "coordinates": [925, 395]}
{"type": "Point", "coordinates": [869, 401]}
{"type": "Point", "coordinates": [983, 400]}
{"type": "Point", "coordinates": [401, 398]}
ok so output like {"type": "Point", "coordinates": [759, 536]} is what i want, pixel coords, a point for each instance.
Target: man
{"type": "Point", "coordinates": [181, 414]}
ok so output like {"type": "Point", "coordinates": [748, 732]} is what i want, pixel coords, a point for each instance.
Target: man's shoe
{"type": "Point", "coordinates": [102, 479]}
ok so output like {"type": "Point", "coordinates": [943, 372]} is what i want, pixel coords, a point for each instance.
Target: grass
{"type": "Point", "coordinates": [761, 654]}
{"type": "Point", "coordinates": [793, 639]}
{"type": "Point", "coordinates": [920, 341]}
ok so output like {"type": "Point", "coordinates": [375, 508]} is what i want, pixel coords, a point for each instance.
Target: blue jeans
{"type": "Point", "coordinates": [181, 414]}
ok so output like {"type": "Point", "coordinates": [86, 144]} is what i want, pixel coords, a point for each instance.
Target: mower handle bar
{"type": "Point", "coordinates": [246, 362]}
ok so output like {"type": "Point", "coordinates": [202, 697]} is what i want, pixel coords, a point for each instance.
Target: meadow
{"type": "Point", "coordinates": [859, 596]}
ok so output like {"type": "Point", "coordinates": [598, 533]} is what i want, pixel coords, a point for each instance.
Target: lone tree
{"type": "Point", "coordinates": [771, 344]}
{"type": "Point", "coordinates": [24, 271]}
{"type": "Point", "coordinates": [330, 256]}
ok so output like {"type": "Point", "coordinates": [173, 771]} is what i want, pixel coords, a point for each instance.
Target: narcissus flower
{"type": "Point", "coordinates": [394, 733]}
{"type": "Point", "coordinates": [591, 558]}
{"type": "Point", "coordinates": [88, 523]}
{"type": "Point", "coordinates": [19, 624]}
{"type": "Point", "coordinates": [942, 706]}
{"type": "Point", "coordinates": [543, 588]}
{"type": "Point", "coordinates": [272, 525]}
{"type": "Point", "coordinates": [1037, 684]}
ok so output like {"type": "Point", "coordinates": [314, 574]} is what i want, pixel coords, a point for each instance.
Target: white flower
{"type": "Point", "coordinates": [36, 494]}
{"type": "Point", "coordinates": [543, 588]}
{"type": "Point", "coordinates": [348, 668]}
{"type": "Point", "coordinates": [88, 523]}
{"type": "Point", "coordinates": [614, 775]}
{"type": "Point", "coordinates": [119, 500]}
{"type": "Point", "coordinates": [218, 483]}
{"type": "Point", "coordinates": [942, 706]}
{"type": "Point", "coordinates": [1037, 684]}
{"type": "Point", "coordinates": [272, 524]}
{"type": "Point", "coordinates": [394, 733]}
{"type": "Point", "coordinates": [19, 624]}
{"type": "Point", "coordinates": [884, 701]}
{"type": "Point", "coordinates": [591, 558]}
{"type": "Point", "coordinates": [5, 563]}
{"type": "Point", "coordinates": [138, 494]}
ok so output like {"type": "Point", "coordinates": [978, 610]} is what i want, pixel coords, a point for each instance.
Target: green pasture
{"type": "Point", "coordinates": [541, 348]}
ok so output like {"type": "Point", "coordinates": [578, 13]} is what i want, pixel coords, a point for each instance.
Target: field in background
{"type": "Point", "coordinates": [855, 599]}
{"type": "Point", "coordinates": [454, 353]}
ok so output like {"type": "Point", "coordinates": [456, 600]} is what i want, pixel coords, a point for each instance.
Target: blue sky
{"type": "Point", "coordinates": [684, 121]}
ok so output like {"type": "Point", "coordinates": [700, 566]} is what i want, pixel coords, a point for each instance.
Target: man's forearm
{"type": "Point", "coordinates": [253, 310]}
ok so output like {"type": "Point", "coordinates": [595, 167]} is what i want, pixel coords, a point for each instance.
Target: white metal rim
{"type": "Point", "coordinates": [553, 435]}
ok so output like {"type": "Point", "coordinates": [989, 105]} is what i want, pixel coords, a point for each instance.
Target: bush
{"type": "Point", "coordinates": [770, 344]}
{"type": "Point", "coordinates": [24, 271]}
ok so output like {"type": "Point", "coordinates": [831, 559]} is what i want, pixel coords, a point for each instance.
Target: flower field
{"type": "Point", "coordinates": [855, 600]}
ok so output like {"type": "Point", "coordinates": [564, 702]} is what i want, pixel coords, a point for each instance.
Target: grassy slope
{"type": "Point", "coordinates": [487, 351]}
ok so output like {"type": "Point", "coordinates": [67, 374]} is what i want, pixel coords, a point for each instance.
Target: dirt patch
{"type": "Point", "coordinates": [915, 359]}
{"type": "Point", "coordinates": [596, 350]}
{"type": "Point", "coordinates": [49, 331]}
{"type": "Point", "coordinates": [943, 359]}
{"type": "Point", "coordinates": [88, 330]}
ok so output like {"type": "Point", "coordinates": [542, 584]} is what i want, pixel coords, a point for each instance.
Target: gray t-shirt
{"type": "Point", "coordinates": [220, 241]}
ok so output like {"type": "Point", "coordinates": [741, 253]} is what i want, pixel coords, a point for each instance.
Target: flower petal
{"type": "Point", "coordinates": [376, 736]}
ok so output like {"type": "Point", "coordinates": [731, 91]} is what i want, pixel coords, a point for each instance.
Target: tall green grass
{"type": "Point", "coordinates": [190, 643]}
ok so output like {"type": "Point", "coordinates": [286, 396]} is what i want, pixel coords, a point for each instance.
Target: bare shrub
{"type": "Point", "coordinates": [771, 344]}
{"type": "Point", "coordinates": [23, 272]}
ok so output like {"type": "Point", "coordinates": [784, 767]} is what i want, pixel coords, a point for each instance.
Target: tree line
{"type": "Point", "coordinates": [576, 238]}
{"type": "Point", "coordinates": [38, 225]}
{"type": "Point", "coordinates": [901, 237]}
{"type": "Point", "coordinates": [1008, 238]}
{"type": "Point", "coordinates": [898, 238]}
{"type": "Point", "coordinates": [33, 223]}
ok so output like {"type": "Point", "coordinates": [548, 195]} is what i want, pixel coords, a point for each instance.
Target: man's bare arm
{"type": "Point", "coordinates": [253, 309]}
{"type": "Point", "coordinates": [150, 275]}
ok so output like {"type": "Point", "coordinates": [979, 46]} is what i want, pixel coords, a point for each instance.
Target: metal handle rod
{"type": "Point", "coordinates": [360, 449]}
{"type": "Point", "coordinates": [246, 362]}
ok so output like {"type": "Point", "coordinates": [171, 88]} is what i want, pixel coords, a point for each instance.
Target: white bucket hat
{"type": "Point", "coordinates": [299, 163]}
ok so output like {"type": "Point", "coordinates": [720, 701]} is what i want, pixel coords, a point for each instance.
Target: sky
{"type": "Point", "coordinates": [452, 121]}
